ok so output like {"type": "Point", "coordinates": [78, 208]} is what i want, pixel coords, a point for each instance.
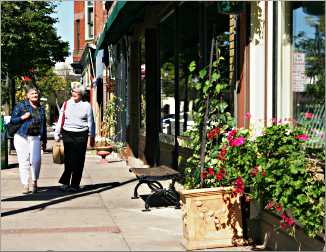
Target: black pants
{"type": "Point", "coordinates": [75, 144]}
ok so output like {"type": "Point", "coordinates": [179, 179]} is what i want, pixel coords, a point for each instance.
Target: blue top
{"type": "Point", "coordinates": [20, 109]}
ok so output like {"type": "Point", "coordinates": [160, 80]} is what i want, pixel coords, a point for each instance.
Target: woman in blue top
{"type": "Point", "coordinates": [27, 140]}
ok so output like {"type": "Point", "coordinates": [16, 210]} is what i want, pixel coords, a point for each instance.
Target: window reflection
{"type": "Point", "coordinates": [308, 67]}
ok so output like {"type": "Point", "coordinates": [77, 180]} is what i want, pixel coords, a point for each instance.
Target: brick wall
{"type": "Point", "coordinates": [79, 14]}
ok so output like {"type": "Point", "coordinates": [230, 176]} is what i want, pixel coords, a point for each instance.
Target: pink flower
{"type": "Point", "coordinates": [303, 137]}
{"type": "Point", "coordinates": [237, 142]}
{"type": "Point", "coordinates": [308, 115]}
{"type": "Point", "coordinates": [274, 120]}
{"type": "Point", "coordinates": [290, 221]}
{"type": "Point", "coordinates": [211, 171]}
{"type": "Point", "coordinates": [248, 116]}
{"type": "Point", "coordinates": [231, 135]}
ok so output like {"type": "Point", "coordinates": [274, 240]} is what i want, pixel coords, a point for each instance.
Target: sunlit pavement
{"type": "Point", "coordinates": [101, 217]}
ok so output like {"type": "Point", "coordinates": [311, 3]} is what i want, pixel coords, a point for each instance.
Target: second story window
{"type": "Point", "coordinates": [77, 34]}
{"type": "Point", "coordinates": [89, 31]}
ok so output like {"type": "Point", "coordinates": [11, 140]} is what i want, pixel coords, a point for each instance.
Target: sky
{"type": "Point", "coordinates": [65, 24]}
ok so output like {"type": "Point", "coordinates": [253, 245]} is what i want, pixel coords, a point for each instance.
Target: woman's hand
{"type": "Point", "coordinates": [25, 116]}
{"type": "Point", "coordinates": [44, 146]}
{"type": "Point", "coordinates": [91, 141]}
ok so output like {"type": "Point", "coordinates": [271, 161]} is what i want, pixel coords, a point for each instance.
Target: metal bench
{"type": "Point", "coordinates": [151, 176]}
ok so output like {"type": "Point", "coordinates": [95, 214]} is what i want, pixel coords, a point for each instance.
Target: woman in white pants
{"type": "Point", "coordinates": [27, 140]}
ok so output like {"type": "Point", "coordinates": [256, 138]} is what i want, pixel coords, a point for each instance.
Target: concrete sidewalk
{"type": "Point", "coordinates": [102, 217]}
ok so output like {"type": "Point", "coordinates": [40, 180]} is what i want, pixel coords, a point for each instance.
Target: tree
{"type": "Point", "coordinates": [28, 40]}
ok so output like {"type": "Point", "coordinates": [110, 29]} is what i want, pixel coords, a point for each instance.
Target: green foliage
{"type": "Point", "coordinates": [113, 107]}
{"type": "Point", "coordinates": [288, 180]}
{"type": "Point", "coordinates": [275, 167]}
{"type": "Point", "coordinates": [28, 37]}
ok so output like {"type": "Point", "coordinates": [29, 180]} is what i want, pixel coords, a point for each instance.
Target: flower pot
{"type": "Point", "coordinates": [211, 218]}
{"type": "Point", "coordinates": [104, 148]}
{"type": "Point", "coordinates": [281, 240]}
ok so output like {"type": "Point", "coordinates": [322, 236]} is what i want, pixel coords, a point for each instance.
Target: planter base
{"type": "Point", "coordinates": [211, 218]}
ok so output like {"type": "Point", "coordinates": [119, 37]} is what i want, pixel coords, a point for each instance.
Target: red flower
{"type": "Point", "coordinates": [213, 133]}
{"type": "Point", "coordinates": [222, 153]}
{"type": "Point", "coordinates": [308, 115]}
{"type": "Point", "coordinates": [290, 221]}
{"type": "Point", "coordinates": [237, 142]}
{"type": "Point", "coordinates": [220, 175]}
{"type": "Point", "coordinates": [270, 205]}
{"type": "Point", "coordinates": [283, 226]}
{"type": "Point", "coordinates": [278, 208]}
{"type": "Point", "coordinates": [303, 137]}
{"type": "Point", "coordinates": [239, 185]}
{"type": "Point", "coordinates": [203, 175]}
{"type": "Point", "coordinates": [254, 171]}
{"type": "Point", "coordinates": [211, 171]}
{"type": "Point", "coordinates": [26, 78]}
{"type": "Point", "coordinates": [263, 173]}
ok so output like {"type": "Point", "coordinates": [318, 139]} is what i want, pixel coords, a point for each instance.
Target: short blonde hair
{"type": "Point", "coordinates": [79, 89]}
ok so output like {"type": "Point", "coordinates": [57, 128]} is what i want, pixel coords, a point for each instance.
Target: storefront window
{"type": "Point", "coordinates": [142, 86]}
{"type": "Point", "coordinates": [308, 66]}
{"type": "Point", "coordinates": [167, 52]}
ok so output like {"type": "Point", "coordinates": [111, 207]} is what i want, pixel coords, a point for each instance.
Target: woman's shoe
{"type": "Point", "coordinates": [74, 189]}
{"type": "Point", "coordinates": [34, 190]}
{"type": "Point", "coordinates": [64, 188]}
{"type": "Point", "coordinates": [26, 189]}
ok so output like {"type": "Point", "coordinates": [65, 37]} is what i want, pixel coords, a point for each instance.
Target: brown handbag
{"type": "Point", "coordinates": [58, 153]}
{"type": "Point", "coordinates": [57, 148]}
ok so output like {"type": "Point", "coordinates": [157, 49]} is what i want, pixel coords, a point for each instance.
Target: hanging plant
{"type": "Point", "coordinates": [231, 7]}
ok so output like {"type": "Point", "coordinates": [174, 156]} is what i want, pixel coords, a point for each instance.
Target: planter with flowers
{"type": "Point", "coordinates": [277, 170]}
{"type": "Point", "coordinates": [292, 190]}
{"type": "Point", "coordinates": [213, 184]}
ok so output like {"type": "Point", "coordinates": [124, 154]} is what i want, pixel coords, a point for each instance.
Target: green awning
{"type": "Point", "coordinates": [123, 15]}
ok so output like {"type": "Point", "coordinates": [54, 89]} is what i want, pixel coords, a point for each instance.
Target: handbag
{"type": "Point", "coordinates": [12, 128]}
{"type": "Point", "coordinates": [57, 148]}
{"type": "Point", "coordinates": [58, 153]}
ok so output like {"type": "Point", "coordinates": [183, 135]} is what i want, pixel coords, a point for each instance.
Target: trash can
{"type": "Point", "coordinates": [3, 144]}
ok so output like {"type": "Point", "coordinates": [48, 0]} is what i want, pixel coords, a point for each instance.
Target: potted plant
{"type": "Point", "coordinates": [214, 174]}
{"type": "Point", "coordinates": [293, 195]}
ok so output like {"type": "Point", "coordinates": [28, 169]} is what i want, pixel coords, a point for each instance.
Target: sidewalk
{"type": "Point", "coordinates": [102, 217]}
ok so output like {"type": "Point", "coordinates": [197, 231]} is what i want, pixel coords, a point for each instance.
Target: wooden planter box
{"type": "Point", "coordinates": [211, 218]}
{"type": "Point", "coordinates": [281, 240]}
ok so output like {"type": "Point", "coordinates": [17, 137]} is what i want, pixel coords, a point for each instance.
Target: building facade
{"type": "Point", "coordinates": [272, 49]}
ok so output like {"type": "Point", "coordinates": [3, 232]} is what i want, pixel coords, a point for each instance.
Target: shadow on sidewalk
{"type": "Point", "coordinates": [10, 166]}
{"type": "Point", "coordinates": [56, 196]}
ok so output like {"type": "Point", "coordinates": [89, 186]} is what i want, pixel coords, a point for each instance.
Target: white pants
{"type": "Point", "coordinates": [28, 151]}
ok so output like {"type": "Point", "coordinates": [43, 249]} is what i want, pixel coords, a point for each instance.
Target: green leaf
{"type": "Point", "coordinates": [192, 66]}
{"type": "Point", "coordinates": [302, 199]}
{"type": "Point", "coordinates": [215, 77]}
{"type": "Point", "coordinates": [202, 73]}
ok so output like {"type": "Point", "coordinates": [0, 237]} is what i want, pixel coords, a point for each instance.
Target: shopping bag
{"type": "Point", "coordinates": [58, 153]}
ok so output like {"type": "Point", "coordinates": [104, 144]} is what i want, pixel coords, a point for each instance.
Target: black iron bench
{"type": "Point", "coordinates": [151, 176]}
